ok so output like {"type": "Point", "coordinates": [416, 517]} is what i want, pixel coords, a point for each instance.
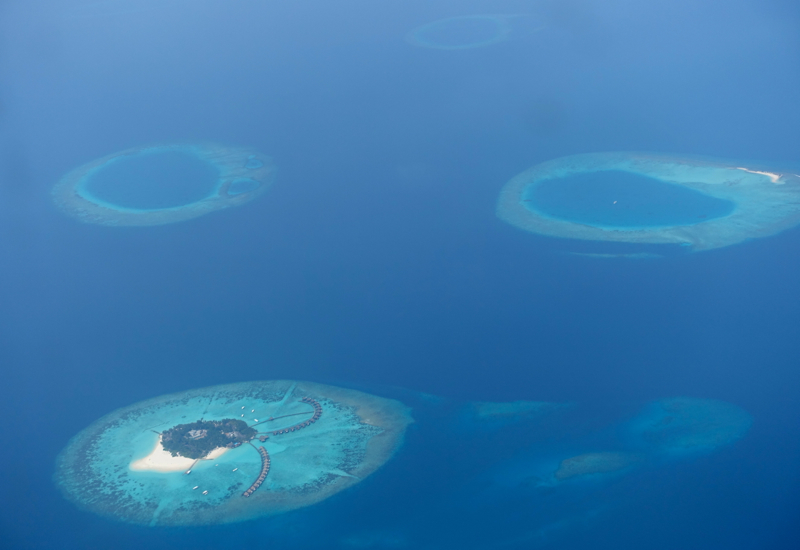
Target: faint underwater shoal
{"type": "Point", "coordinates": [235, 233]}
{"type": "Point", "coordinates": [525, 482]}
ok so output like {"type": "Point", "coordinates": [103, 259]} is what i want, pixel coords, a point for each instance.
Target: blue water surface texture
{"type": "Point", "coordinates": [341, 230]}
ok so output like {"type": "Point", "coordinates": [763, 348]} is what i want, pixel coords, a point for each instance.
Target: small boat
{"type": "Point", "coordinates": [195, 487]}
{"type": "Point", "coordinates": [253, 411]}
{"type": "Point", "coordinates": [205, 492]}
{"type": "Point", "coordinates": [242, 408]}
{"type": "Point", "coordinates": [234, 469]}
{"type": "Point", "coordinates": [188, 472]}
{"type": "Point", "coordinates": [256, 419]}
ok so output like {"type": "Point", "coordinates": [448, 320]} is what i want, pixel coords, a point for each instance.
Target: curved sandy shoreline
{"type": "Point", "coordinates": [160, 460]}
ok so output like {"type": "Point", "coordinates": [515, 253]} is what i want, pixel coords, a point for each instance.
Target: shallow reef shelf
{"type": "Point", "coordinates": [683, 426]}
{"type": "Point", "coordinates": [763, 201]}
{"type": "Point", "coordinates": [312, 442]}
{"type": "Point", "coordinates": [243, 175]}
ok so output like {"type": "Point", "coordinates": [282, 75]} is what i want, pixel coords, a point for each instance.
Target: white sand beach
{"type": "Point", "coordinates": [160, 460]}
{"type": "Point", "coordinates": [771, 175]}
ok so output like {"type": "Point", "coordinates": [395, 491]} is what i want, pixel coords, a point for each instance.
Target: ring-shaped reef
{"type": "Point", "coordinates": [161, 184]}
{"type": "Point", "coordinates": [651, 199]}
{"type": "Point", "coordinates": [462, 32]}
{"type": "Point", "coordinates": [229, 453]}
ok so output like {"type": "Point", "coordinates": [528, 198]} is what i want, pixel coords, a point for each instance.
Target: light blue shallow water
{"type": "Point", "coordinates": [161, 179]}
{"type": "Point", "coordinates": [614, 198]}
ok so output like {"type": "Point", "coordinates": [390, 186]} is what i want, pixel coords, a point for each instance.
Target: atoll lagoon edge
{"type": "Point", "coordinates": [713, 203]}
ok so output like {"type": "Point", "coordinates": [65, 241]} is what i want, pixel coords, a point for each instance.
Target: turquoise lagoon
{"type": "Point", "coordinates": [613, 198]}
{"type": "Point", "coordinates": [97, 470]}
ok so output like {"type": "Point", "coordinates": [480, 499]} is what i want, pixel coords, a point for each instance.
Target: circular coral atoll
{"type": "Point", "coordinates": [651, 199]}
{"type": "Point", "coordinates": [161, 184]}
{"type": "Point", "coordinates": [272, 447]}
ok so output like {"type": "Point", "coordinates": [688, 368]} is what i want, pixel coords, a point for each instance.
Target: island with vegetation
{"type": "Point", "coordinates": [324, 440]}
{"type": "Point", "coordinates": [197, 439]}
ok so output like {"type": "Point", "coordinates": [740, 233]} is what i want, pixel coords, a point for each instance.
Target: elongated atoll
{"type": "Point", "coordinates": [237, 177]}
{"type": "Point", "coordinates": [702, 204]}
{"type": "Point", "coordinates": [312, 441]}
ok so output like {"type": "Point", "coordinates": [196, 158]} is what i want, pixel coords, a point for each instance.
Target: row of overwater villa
{"type": "Point", "coordinates": [265, 463]}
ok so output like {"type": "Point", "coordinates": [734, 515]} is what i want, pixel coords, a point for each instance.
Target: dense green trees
{"type": "Point", "coordinates": [218, 433]}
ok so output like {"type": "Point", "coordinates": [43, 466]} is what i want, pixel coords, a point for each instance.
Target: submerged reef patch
{"type": "Point", "coordinates": [651, 199]}
{"type": "Point", "coordinates": [594, 463]}
{"type": "Point", "coordinates": [686, 425]}
{"type": "Point", "coordinates": [607, 256]}
{"type": "Point", "coordinates": [470, 31]}
{"type": "Point", "coordinates": [305, 443]}
{"type": "Point", "coordinates": [161, 184]}
{"type": "Point", "coordinates": [491, 415]}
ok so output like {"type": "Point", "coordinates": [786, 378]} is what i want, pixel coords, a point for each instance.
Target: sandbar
{"type": "Point", "coordinates": [160, 460]}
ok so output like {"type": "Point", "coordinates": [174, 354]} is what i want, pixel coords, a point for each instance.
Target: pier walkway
{"type": "Point", "coordinates": [264, 471]}
{"type": "Point", "coordinates": [265, 462]}
{"type": "Point", "coordinates": [314, 418]}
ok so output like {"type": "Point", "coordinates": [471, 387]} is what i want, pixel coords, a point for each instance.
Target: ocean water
{"type": "Point", "coordinates": [376, 262]}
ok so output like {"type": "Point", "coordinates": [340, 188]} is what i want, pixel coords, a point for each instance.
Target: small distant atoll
{"type": "Point", "coordinates": [197, 439]}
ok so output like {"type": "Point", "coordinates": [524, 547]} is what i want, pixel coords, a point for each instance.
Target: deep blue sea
{"type": "Point", "coordinates": [377, 262]}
